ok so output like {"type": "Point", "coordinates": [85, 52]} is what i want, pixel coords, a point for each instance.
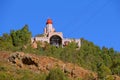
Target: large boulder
{"type": "Point", "coordinates": [20, 59]}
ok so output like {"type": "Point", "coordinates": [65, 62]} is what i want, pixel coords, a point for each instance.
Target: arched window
{"type": "Point", "coordinates": [55, 40]}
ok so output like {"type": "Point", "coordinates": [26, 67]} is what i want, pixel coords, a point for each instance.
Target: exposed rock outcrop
{"type": "Point", "coordinates": [45, 64]}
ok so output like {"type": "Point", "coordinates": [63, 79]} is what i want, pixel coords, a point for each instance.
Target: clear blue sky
{"type": "Point", "coordinates": [95, 20]}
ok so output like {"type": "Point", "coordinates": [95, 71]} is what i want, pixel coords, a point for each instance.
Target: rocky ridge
{"type": "Point", "coordinates": [45, 64]}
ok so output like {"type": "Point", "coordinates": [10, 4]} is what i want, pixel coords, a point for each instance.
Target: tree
{"type": "Point", "coordinates": [21, 37]}
{"type": "Point", "coordinates": [116, 65]}
{"type": "Point", "coordinates": [116, 70]}
{"type": "Point", "coordinates": [105, 50]}
{"type": "Point", "coordinates": [103, 71]}
{"type": "Point", "coordinates": [6, 42]}
{"type": "Point", "coordinates": [26, 35]}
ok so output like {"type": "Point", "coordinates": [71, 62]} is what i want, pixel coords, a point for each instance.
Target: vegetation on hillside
{"type": "Point", "coordinates": [104, 61]}
{"type": "Point", "coordinates": [16, 40]}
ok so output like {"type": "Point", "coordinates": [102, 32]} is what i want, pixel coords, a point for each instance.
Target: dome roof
{"type": "Point", "coordinates": [49, 21]}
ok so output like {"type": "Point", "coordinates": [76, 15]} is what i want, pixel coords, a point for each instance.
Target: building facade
{"type": "Point", "coordinates": [54, 38]}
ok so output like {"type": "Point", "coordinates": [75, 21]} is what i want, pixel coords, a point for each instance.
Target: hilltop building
{"type": "Point", "coordinates": [54, 38]}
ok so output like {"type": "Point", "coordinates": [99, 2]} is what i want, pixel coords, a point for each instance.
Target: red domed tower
{"type": "Point", "coordinates": [49, 21]}
{"type": "Point", "coordinates": [49, 27]}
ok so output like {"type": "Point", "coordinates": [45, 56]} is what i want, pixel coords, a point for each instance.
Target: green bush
{"type": "Point", "coordinates": [103, 71]}
{"type": "Point", "coordinates": [56, 74]}
{"type": "Point", "coordinates": [109, 77]}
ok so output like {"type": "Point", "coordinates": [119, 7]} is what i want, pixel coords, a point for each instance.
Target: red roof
{"type": "Point", "coordinates": [49, 21]}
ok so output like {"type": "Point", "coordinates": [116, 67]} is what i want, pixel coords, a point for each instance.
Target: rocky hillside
{"type": "Point", "coordinates": [43, 64]}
